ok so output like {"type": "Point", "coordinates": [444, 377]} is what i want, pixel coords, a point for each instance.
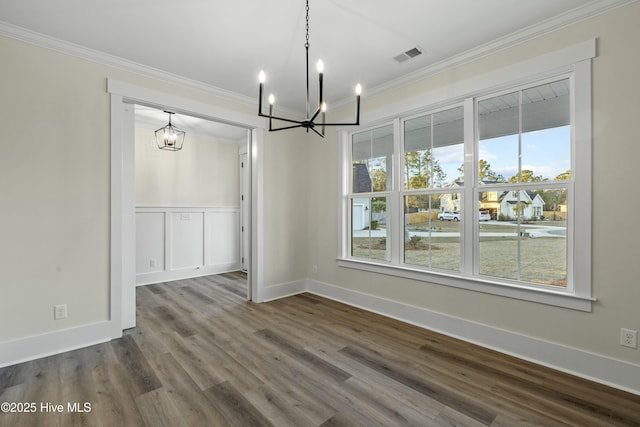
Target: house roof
{"type": "Point", "coordinates": [530, 196]}
{"type": "Point", "coordinates": [361, 178]}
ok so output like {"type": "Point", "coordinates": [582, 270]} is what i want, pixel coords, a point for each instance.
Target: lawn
{"type": "Point", "coordinates": [542, 259]}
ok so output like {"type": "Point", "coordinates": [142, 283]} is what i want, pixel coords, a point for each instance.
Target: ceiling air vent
{"type": "Point", "coordinates": [411, 53]}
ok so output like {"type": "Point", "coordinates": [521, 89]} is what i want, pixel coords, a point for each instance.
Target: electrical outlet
{"type": "Point", "coordinates": [628, 338]}
{"type": "Point", "coordinates": [314, 269]}
{"type": "Point", "coordinates": [152, 262]}
{"type": "Point", "coordinates": [60, 311]}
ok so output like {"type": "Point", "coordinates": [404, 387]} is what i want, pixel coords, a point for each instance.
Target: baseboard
{"type": "Point", "coordinates": [605, 370]}
{"type": "Point", "coordinates": [185, 273]}
{"type": "Point", "coordinates": [38, 346]}
{"type": "Point", "coordinates": [282, 290]}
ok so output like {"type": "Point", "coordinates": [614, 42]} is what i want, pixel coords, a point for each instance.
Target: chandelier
{"type": "Point", "coordinates": [170, 137]}
{"type": "Point", "coordinates": [310, 122]}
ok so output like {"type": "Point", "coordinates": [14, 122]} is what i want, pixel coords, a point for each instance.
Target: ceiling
{"type": "Point", "coordinates": [223, 45]}
{"type": "Point", "coordinates": [152, 119]}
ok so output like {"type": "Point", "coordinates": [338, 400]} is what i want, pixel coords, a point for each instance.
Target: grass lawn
{"type": "Point", "coordinates": [542, 259]}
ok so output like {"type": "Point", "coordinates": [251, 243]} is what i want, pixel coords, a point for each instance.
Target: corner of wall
{"type": "Point", "coordinates": [602, 369]}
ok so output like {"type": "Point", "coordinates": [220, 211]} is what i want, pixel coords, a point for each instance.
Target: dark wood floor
{"type": "Point", "coordinates": [203, 356]}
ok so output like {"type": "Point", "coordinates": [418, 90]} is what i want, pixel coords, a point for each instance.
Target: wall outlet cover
{"type": "Point", "coordinates": [60, 311]}
{"type": "Point", "coordinates": [628, 338]}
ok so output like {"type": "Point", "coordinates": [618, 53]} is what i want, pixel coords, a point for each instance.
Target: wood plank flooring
{"type": "Point", "coordinates": [203, 356]}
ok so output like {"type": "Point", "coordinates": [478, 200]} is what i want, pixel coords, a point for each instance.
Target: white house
{"type": "Point", "coordinates": [524, 204]}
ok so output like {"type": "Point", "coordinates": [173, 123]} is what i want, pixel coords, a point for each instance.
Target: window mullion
{"type": "Point", "coordinates": [469, 237]}
{"type": "Point", "coordinates": [397, 207]}
{"type": "Point", "coordinates": [518, 205]}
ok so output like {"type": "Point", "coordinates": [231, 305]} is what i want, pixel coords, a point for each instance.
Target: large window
{"type": "Point", "coordinates": [479, 193]}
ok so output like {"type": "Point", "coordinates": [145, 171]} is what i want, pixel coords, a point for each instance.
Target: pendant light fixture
{"type": "Point", "coordinates": [170, 137]}
{"type": "Point", "coordinates": [310, 121]}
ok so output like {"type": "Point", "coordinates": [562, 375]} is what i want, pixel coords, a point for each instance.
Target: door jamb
{"type": "Point", "coordinates": [123, 213]}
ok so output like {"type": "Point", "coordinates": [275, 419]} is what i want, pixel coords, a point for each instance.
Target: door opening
{"type": "Point", "coordinates": [123, 221]}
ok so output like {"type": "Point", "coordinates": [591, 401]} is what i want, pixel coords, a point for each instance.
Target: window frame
{"type": "Point", "coordinates": [403, 191]}
{"type": "Point", "coordinates": [575, 296]}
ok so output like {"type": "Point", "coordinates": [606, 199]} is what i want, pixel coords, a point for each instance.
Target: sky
{"type": "Point", "coordinates": [546, 152]}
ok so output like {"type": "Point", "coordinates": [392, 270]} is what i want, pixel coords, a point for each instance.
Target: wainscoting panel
{"type": "Point", "coordinates": [222, 237]}
{"type": "Point", "coordinates": [187, 242]}
{"type": "Point", "coordinates": [175, 243]}
{"type": "Point", "coordinates": [150, 247]}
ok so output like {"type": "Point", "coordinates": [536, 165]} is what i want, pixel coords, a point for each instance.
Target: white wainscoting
{"type": "Point", "coordinates": [175, 243]}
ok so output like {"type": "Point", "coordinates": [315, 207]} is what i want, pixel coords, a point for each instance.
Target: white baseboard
{"type": "Point", "coordinates": [602, 369]}
{"type": "Point", "coordinates": [38, 346]}
{"type": "Point", "coordinates": [282, 290]}
{"type": "Point", "coordinates": [185, 273]}
{"type": "Point", "coordinates": [612, 372]}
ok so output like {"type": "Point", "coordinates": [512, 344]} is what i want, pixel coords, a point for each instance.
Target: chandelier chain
{"type": "Point", "coordinates": [309, 123]}
{"type": "Point", "coordinates": [307, 27]}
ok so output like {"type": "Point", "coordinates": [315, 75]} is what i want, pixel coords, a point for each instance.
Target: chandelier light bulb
{"type": "Point", "coordinates": [314, 120]}
{"type": "Point", "coordinates": [358, 89]}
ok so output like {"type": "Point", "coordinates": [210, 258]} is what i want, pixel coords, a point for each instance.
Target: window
{"type": "Point", "coordinates": [433, 153]}
{"type": "Point", "coordinates": [524, 142]}
{"type": "Point", "coordinates": [372, 172]}
{"type": "Point", "coordinates": [480, 193]}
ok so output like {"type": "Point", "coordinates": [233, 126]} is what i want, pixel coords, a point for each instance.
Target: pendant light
{"type": "Point", "coordinates": [319, 114]}
{"type": "Point", "coordinates": [170, 137]}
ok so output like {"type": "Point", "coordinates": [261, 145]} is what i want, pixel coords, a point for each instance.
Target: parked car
{"type": "Point", "coordinates": [449, 216]}
{"type": "Point", "coordinates": [485, 216]}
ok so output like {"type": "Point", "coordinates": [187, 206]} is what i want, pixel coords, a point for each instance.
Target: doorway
{"type": "Point", "coordinates": [245, 208]}
{"type": "Point", "coordinates": [123, 96]}
{"type": "Point", "coordinates": [188, 201]}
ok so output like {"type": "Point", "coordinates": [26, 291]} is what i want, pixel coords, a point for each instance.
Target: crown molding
{"type": "Point", "coordinates": [590, 10]}
{"type": "Point", "coordinates": [583, 13]}
{"type": "Point", "coordinates": [82, 52]}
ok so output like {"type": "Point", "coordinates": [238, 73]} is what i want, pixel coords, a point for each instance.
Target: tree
{"type": "Point", "coordinates": [553, 199]}
{"type": "Point", "coordinates": [485, 172]}
{"type": "Point", "coordinates": [564, 176]}
{"type": "Point", "coordinates": [527, 176]}
{"type": "Point", "coordinates": [417, 173]}
{"type": "Point", "coordinates": [379, 205]}
{"type": "Point", "coordinates": [379, 179]}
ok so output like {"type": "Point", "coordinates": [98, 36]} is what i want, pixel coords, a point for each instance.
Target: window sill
{"type": "Point", "coordinates": [521, 292]}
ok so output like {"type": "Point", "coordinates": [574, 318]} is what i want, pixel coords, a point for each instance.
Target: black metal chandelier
{"type": "Point", "coordinates": [170, 137]}
{"type": "Point", "coordinates": [310, 121]}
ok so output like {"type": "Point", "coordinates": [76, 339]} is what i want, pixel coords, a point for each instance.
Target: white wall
{"type": "Point", "coordinates": [54, 233]}
{"type": "Point", "coordinates": [187, 215]}
{"type": "Point", "coordinates": [286, 174]}
{"type": "Point", "coordinates": [204, 173]}
{"type": "Point", "coordinates": [55, 200]}
{"type": "Point", "coordinates": [614, 267]}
